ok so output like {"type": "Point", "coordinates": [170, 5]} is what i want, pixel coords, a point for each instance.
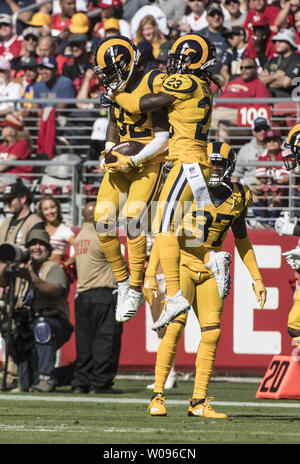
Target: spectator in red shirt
{"type": "Point", "coordinates": [76, 66]}
{"type": "Point", "coordinates": [270, 190]}
{"type": "Point", "coordinates": [16, 146]}
{"type": "Point", "coordinates": [11, 44]}
{"type": "Point", "coordinates": [60, 22]}
{"type": "Point", "coordinates": [245, 86]}
{"type": "Point", "coordinates": [260, 45]}
{"type": "Point", "coordinates": [261, 10]}
{"type": "Point", "coordinates": [285, 17]}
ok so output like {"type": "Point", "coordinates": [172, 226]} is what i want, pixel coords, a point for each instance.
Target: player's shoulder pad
{"type": "Point", "coordinates": [155, 79]}
{"type": "Point", "coordinates": [180, 84]}
{"type": "Point", "coordinates": [245, 192]}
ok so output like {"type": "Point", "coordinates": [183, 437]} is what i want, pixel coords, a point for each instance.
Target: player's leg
{"type": "Point", "coordinates": [293, 324]}
{"type": "Point", "coordinates": [174, 207]}
{"type": "Point", "coordinates": [105, 216]}
{"type": "Point", "coordinates": [156, 302]}
{"type": "Point", "coordinates": [208, 308]}
{"type": "Point", "coordinates": [144, 184]}
{"type": "Point", "coordinates": [167, 350]}
{"type": "Point", "coordinates": [164, 361]}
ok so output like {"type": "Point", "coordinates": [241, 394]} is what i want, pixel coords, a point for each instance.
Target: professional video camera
{"type": "Point", "coordinates": [10, 252]}
{"type": "Point", "coordinates": [15, 325]}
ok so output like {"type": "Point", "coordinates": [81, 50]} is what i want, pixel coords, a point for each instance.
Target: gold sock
{"type": "Point", "coordinates": [169, 256]}
{"type": "Point", "coordinates": [166, 355]}
{"type": "Point", "coordinates": [111, 247]}
{"type": "Point", "coordinates": [136, 258]}
{"type": "Point", "coordinates": [205, 360]}
{"type": "Point", "coordinates": [153, 260]}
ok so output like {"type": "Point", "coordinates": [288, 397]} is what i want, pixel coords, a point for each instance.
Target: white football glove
{"type": "Point", "coordinates": [260, 292]}
{"type": "Point", "coordinates": [285, 225]}
{"type": "Point", "coordinates": [293, 258]}
{"type": "Point", "coordinates": [102, 159]}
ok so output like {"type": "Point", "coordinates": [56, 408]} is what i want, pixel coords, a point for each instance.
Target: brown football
{"type": "Point", "coordinates": [129, 148]}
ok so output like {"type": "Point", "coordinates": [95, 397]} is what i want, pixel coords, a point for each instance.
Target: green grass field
{"type": "Point", "coordinates": [63, 418]}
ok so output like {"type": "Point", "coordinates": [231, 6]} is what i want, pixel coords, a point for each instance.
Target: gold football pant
{"type": "Point", "coordinates": [203, 295]}
{"type": "Point", "coordinates": [174, 203]}
{"type": "Point", "coordinates": [131, 193]}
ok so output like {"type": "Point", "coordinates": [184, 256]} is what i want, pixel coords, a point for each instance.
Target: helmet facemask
{"type": "Point", "coordinates": [191, 54]}
{"type": "Point", "coordinates": [224, 177]}
{"type": "Point", "coordinates": [116, 75]}
{"type": "Point", "coordinates": [291, 158]}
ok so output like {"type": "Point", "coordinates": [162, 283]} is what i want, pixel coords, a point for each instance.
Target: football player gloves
{"type": "Point", "coordinates": [260, 292]}
{"type": "Point", "coordinates": [293, 258]}
{"type": "Point", "coordinates": [105, 100]}
{"type": "Point", "coordinates": [102, 159]}
{"type": "Point", "coordinates": [285, 225]}
{"type": "Point", "coordinates": [150, 289]}
{"type": "Point", "coordinates": [122, 164]}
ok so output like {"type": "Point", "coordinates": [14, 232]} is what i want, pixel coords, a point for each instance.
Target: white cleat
{"type": "Point", "coordinates": [219, 264]}
{"type": "Point", "coordinates": [132, 303]}
{"type": "Point", "coordinates": [122, 290]}
{"type": "Point", "coordinates": [173, 307]}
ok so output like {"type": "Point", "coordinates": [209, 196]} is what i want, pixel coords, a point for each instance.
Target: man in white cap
{"type": "Point", "coordinates": [11, 43]}
{"type": "Point", "coordinates": [279, 72]}
{"type": "Point", "coordinates": [30, 38]}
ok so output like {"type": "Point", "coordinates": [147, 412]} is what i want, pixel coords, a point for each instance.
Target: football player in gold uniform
{"type": "Point", "coordinates": [287, 226]}
{"type": "Point", "coordinates": [229, 202]}
{"type": "Point", "coordinates": [187, 95]}
{"type": "Point", "coordinates": [137, 178]}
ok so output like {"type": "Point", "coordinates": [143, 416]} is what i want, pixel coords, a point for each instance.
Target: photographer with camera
{"type": "Point", "coordinates": [15, 229]}
{"type": "Point", "coordinates": [40, 312]}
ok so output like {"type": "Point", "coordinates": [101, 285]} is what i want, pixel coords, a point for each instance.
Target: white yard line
{"type": "Point", "coordinates": [115, 399]}
{"type": "Point", "coordinates": [191, 378]}
{"type": "Point", "coordinates": [87, 429]}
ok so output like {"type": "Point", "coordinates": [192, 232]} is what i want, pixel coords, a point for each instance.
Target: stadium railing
{"type": "Point", "coordinates": [74, 129]}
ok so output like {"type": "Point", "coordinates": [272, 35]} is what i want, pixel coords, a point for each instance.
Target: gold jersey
{"type": "Point", "coordinates": [210, 225]}
{"type": "Point", "coordinates": [189, 117]}
{"type": "Point", "coordinates": [139, 126]}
